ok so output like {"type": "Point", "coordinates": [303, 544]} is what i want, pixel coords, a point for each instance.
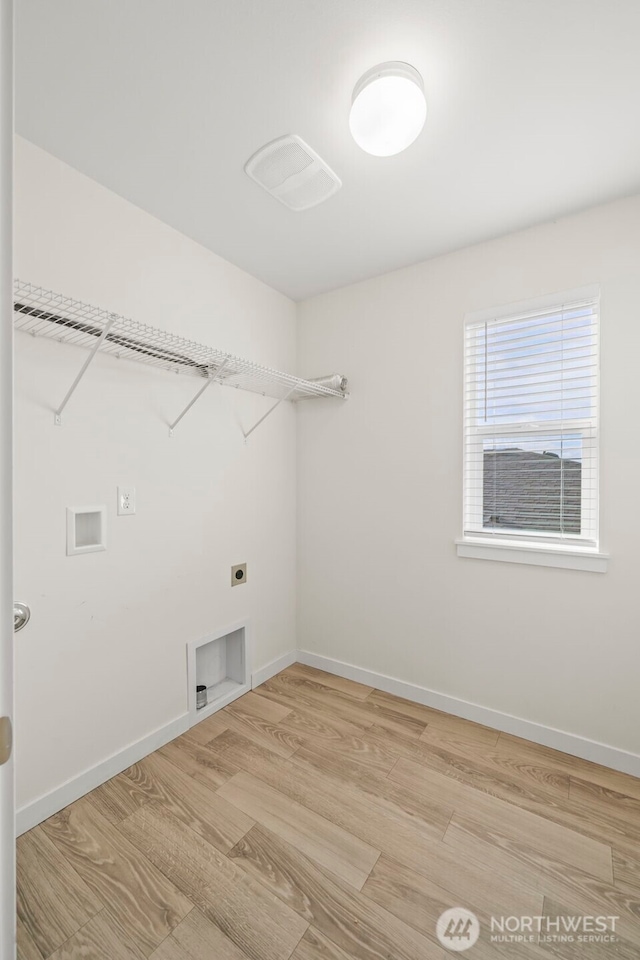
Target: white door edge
{"type": "Point", "coordinates": [7, 800]}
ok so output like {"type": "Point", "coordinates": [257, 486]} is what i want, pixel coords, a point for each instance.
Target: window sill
{"type": "Point", "coordinates": [538, 555]}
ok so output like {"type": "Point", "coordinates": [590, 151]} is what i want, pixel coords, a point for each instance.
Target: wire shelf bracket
{"type": "Point", "coordinates": [57, 417]}
{"type": "Point", "coordinates": [267, 414]}
{"type": "Point", "coordinates": [44, 313]}
{"type": "Point", "coordinates": [214, 378]}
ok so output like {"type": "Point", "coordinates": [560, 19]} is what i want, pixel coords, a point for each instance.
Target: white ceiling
{"type": "Point", "coordinates": [533, 112]}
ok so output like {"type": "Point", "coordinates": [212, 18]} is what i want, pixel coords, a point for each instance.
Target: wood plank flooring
{"type": "Point", "coordinates": [320, 819]}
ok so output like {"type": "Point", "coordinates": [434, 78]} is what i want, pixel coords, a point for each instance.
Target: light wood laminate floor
{"type": "Point", "coordinates": [320, 819]}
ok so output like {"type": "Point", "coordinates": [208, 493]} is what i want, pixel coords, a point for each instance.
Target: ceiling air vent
{"type": "Point", "coordinates": [293, 173]}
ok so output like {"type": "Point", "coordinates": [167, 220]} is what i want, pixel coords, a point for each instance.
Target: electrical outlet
{"type": "Point", "coordinates": [126, 501]}
{"type": "Point", "coordinates": [238, 574]}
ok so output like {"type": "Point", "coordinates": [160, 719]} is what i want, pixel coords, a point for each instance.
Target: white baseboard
{"type": "Point", "coordinates": [546, 736]}
{"type": "Point", "coordinates": [270, 669]}
{"type": "Point", "coordinates": [37, 811]}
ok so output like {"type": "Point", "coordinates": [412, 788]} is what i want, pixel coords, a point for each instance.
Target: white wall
{"type": "Point", "coordinates": [102, 663]}
{"type": "Point", "coordinates": [380, 490]}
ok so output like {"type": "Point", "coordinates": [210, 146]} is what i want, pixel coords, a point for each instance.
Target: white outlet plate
{"type": "Point", "coordinates": [126, 501]}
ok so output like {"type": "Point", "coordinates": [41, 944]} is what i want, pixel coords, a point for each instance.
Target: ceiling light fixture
{"type": "Point", "coordinates": [388, 109]}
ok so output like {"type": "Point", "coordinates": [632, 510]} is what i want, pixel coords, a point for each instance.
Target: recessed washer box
{"type": "Point", "coordinates": [86, 530]}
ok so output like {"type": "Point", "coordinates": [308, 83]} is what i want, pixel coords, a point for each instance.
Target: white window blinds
{"type": "Point", "coordinates": [531, 425]}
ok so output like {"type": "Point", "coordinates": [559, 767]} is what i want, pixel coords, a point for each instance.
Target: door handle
{"type": "Point", "coordinates": [21, 616]}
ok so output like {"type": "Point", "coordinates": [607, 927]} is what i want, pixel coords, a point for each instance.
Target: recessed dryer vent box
{"type": "Point", "coordinates": [86, 530]}
{"type": "Point", "coordinates": [220, 663]}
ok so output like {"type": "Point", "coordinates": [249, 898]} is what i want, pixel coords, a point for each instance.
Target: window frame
{"type": "Point", "coordinates": [521, 545]}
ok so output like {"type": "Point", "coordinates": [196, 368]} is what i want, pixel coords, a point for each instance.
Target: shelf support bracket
{"type": "Point", "coordinates": [269, 412]}
{"type": "Point", "coordinates": [57, 417]}
{"type": "Point", "coordinates": [215, 378]}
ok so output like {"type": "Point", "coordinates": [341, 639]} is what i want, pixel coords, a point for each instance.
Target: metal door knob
{"type": "Point", "coordinates": [21, 615]}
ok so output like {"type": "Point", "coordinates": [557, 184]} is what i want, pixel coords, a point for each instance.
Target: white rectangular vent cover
{"type": "Point", "coordinates": [293, 173]}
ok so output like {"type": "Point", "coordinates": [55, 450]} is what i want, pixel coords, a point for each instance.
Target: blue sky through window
{"type": "Point", "coordinates": [537, 371]}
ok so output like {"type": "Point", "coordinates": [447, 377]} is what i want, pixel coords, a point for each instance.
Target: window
{"type": "Point", "coordinates": [531, 425]}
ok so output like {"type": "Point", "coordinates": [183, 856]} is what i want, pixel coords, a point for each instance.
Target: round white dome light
{"type": "Point", "coordinates": [388, 109]}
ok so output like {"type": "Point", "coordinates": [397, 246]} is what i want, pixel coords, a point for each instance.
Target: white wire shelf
{"type": "Point", "coordinates": [44, 313]}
